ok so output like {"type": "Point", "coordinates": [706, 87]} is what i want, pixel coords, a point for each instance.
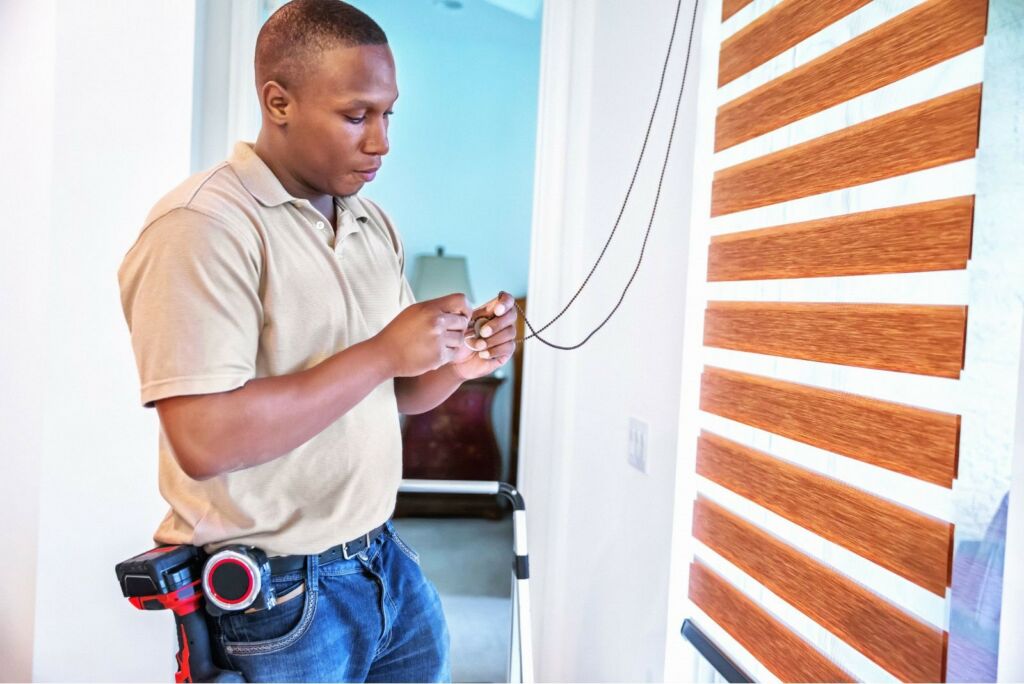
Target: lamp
{"type": "Point", "coordinates": [439, 275]}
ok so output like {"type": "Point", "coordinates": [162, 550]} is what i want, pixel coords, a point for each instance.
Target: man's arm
{"type": "Point", "coordinates": [427, 391]}
{"type": "Point", "coordinates": [221, 432]}
{"type": "Point", "coordinates": [268, 417]}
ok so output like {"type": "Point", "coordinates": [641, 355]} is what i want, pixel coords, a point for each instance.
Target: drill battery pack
{"type": "Point", "coordinates": [166, 577]}
{"type": "Point", "coordinates": [169, 578]}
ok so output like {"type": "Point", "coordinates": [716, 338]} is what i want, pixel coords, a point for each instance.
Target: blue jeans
{"type": "Point", "coordinates": [372, 618]}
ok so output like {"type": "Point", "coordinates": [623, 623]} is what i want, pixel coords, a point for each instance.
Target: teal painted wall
{"type": "Point", "coordinates": [460, 171]}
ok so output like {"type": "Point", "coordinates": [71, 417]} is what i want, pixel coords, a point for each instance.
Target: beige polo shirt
{"type": "Point", "coordinates": [232, 279]}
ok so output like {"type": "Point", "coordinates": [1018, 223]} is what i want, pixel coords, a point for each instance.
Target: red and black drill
{"type": "Point", "coordinates": [169, 577]}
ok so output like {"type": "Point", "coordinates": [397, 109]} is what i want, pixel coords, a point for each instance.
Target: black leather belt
{"type": "Point", "coordinates": [279, 565]}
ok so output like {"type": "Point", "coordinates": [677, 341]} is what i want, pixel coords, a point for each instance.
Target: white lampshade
{"type": "Point", "coordinates": [440, 275]}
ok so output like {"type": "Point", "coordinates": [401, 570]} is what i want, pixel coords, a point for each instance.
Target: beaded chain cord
{"type": "Point", "coordinates": [668, 148]}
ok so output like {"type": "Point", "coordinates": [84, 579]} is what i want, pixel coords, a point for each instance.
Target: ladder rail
{"type": "Point", "coordinates": [521, 637]}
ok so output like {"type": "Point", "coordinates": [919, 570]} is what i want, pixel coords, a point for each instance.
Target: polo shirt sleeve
{"type": "Point", "coordinates": [190, 294]}
{"type": "Point", "coordinates": [405, 295]}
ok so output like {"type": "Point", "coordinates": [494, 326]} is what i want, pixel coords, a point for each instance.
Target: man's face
{"type": "Point", "coordinates": [337, 131]}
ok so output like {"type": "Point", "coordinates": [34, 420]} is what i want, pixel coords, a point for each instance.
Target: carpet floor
{"type": "Point", "coordinates": [469, 560]}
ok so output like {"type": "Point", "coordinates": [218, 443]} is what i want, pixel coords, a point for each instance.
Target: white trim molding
{"type": "Point", "coordinates": [548, 378]}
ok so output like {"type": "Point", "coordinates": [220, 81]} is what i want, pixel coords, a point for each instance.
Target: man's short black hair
{"type": "Point", "coordinates": [294, 36]}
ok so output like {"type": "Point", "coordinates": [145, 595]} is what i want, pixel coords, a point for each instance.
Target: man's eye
{"type": "Point", "coordinates": [361, 119]}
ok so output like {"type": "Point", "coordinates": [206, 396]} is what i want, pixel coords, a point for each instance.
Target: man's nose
{"type": "Point", "coordinates": [376, 141]}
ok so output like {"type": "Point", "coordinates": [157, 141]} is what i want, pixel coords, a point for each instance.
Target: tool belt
{"type": "Point", "coordinates": [280, 565]}
{"type": "Point", "coordinates": [237, 577]}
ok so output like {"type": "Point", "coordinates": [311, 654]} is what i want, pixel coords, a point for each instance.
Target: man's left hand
{"type": "Point", "coordinates": [481, 356]}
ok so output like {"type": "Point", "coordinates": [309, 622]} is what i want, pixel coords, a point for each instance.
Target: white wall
{"type": "Point", "coordinates": [1002, 123]}
{"type": "Point", "coordinates": [600, 530]}
{"type": "Point", "coordinates": [100, 131]}
{"type": "Point", "coordinates": [1011, 627]}
{"type": "Point", "coordinates": [27, 49]}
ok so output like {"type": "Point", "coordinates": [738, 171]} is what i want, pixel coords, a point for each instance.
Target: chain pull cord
{"type": "Point", "coordinates": [632, 180]}
{"type": "Point", "coordinates": [536, 333]}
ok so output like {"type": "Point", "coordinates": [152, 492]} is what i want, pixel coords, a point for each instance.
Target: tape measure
{"type": "Point", "coordinates": [236, 578]}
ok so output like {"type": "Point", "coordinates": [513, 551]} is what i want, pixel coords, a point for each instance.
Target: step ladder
{"type": "Point", "coordinates": [520, 659]}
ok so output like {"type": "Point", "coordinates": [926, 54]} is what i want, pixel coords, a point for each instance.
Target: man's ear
{"type": "Point", "coordinates": [276, 102]}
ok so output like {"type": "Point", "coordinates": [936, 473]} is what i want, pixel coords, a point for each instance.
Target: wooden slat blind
{"type": "Point", "coordinates": [929, 236]}
{"type": "Point", "coordinates": [909, 339]}
{"type": "Point", "coordinates": [876, 234]}
{"type": "Point", "coordinates": [911, 544]}
{"type": "Point", "coordinates": [939, 131]}
{"type": "Point", "coordinates": [731, 7]}
{"type": "Point", "coordinates": [777, 30]}
{"type": "Point", "coordinates": [912, 650]}
{"type": "Point", "coordinates": [914, 40]}
{"type": "Point", "coordinates": [787, 656]}
{"type": "Point", "coordinates": [904, 439]}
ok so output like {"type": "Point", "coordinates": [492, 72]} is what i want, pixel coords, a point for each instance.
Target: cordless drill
{"type": "Point", "coordinates": [169, 577]}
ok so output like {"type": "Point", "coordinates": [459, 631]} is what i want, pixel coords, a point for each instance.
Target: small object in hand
{"type": "Point", "coordinates": [477, 325]}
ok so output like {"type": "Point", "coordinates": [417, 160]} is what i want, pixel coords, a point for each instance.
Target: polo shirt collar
{"type": "Point", "coordinates": [257, 177]}
{"type": "Point", "coordinates": [262, 184]}
{"type": "Point", "coordinates": [355, 205]}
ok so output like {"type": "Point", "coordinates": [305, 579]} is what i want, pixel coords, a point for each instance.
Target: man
{"type": "Point", "coordinates": [277, 336]}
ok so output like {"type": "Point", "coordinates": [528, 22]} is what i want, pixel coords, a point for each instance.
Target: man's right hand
{"type": "Point", "coordinates": [426, 335]}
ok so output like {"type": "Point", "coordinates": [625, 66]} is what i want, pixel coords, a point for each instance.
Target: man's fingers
{"type": "Point", "coordinates": [501, 351]}
{"type": "Point", "coordinates": [498, 306]}
{"type": "Point", "coordinates": [498, 361]}
{"type": "Point", "coordinates": [455, 303]}
{"type": "Point", "coordinates": [500, 337]}
{"type": "Point", "coordinates": [471, 341]}
{"type": "Point", "coordinates": [499, 323]}
{"type": "Point", "coordinates": [453, 339]}
{"type": "Point", "coordinates": [503, 303]}
{"type": "Point", "coordinates": [454, 322]}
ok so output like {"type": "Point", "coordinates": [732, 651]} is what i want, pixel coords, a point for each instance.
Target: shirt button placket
{"type": "Point", "coordinates": [345, 220]}
{"type": "Point", "coordinates": [325, 231]}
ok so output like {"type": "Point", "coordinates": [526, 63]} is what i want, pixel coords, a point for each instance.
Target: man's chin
{"type": "Point", "coordinates": [346, 189]}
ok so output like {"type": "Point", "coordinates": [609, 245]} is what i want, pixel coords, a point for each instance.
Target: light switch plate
{"type": "Point", "coordinates": [637, 445]}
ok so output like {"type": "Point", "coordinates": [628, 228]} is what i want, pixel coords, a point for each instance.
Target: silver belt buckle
{"type": "Point", "coordinates": [344, 548]}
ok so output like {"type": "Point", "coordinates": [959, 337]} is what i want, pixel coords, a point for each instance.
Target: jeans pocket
{"type": "Point", "coordinates": [405, 548]}
{"type": "Point", "coordinates": [270, 631]}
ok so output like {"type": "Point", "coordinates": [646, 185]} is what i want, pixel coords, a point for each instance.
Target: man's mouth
{"type": "Point", "coordinates": [368, 174]}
